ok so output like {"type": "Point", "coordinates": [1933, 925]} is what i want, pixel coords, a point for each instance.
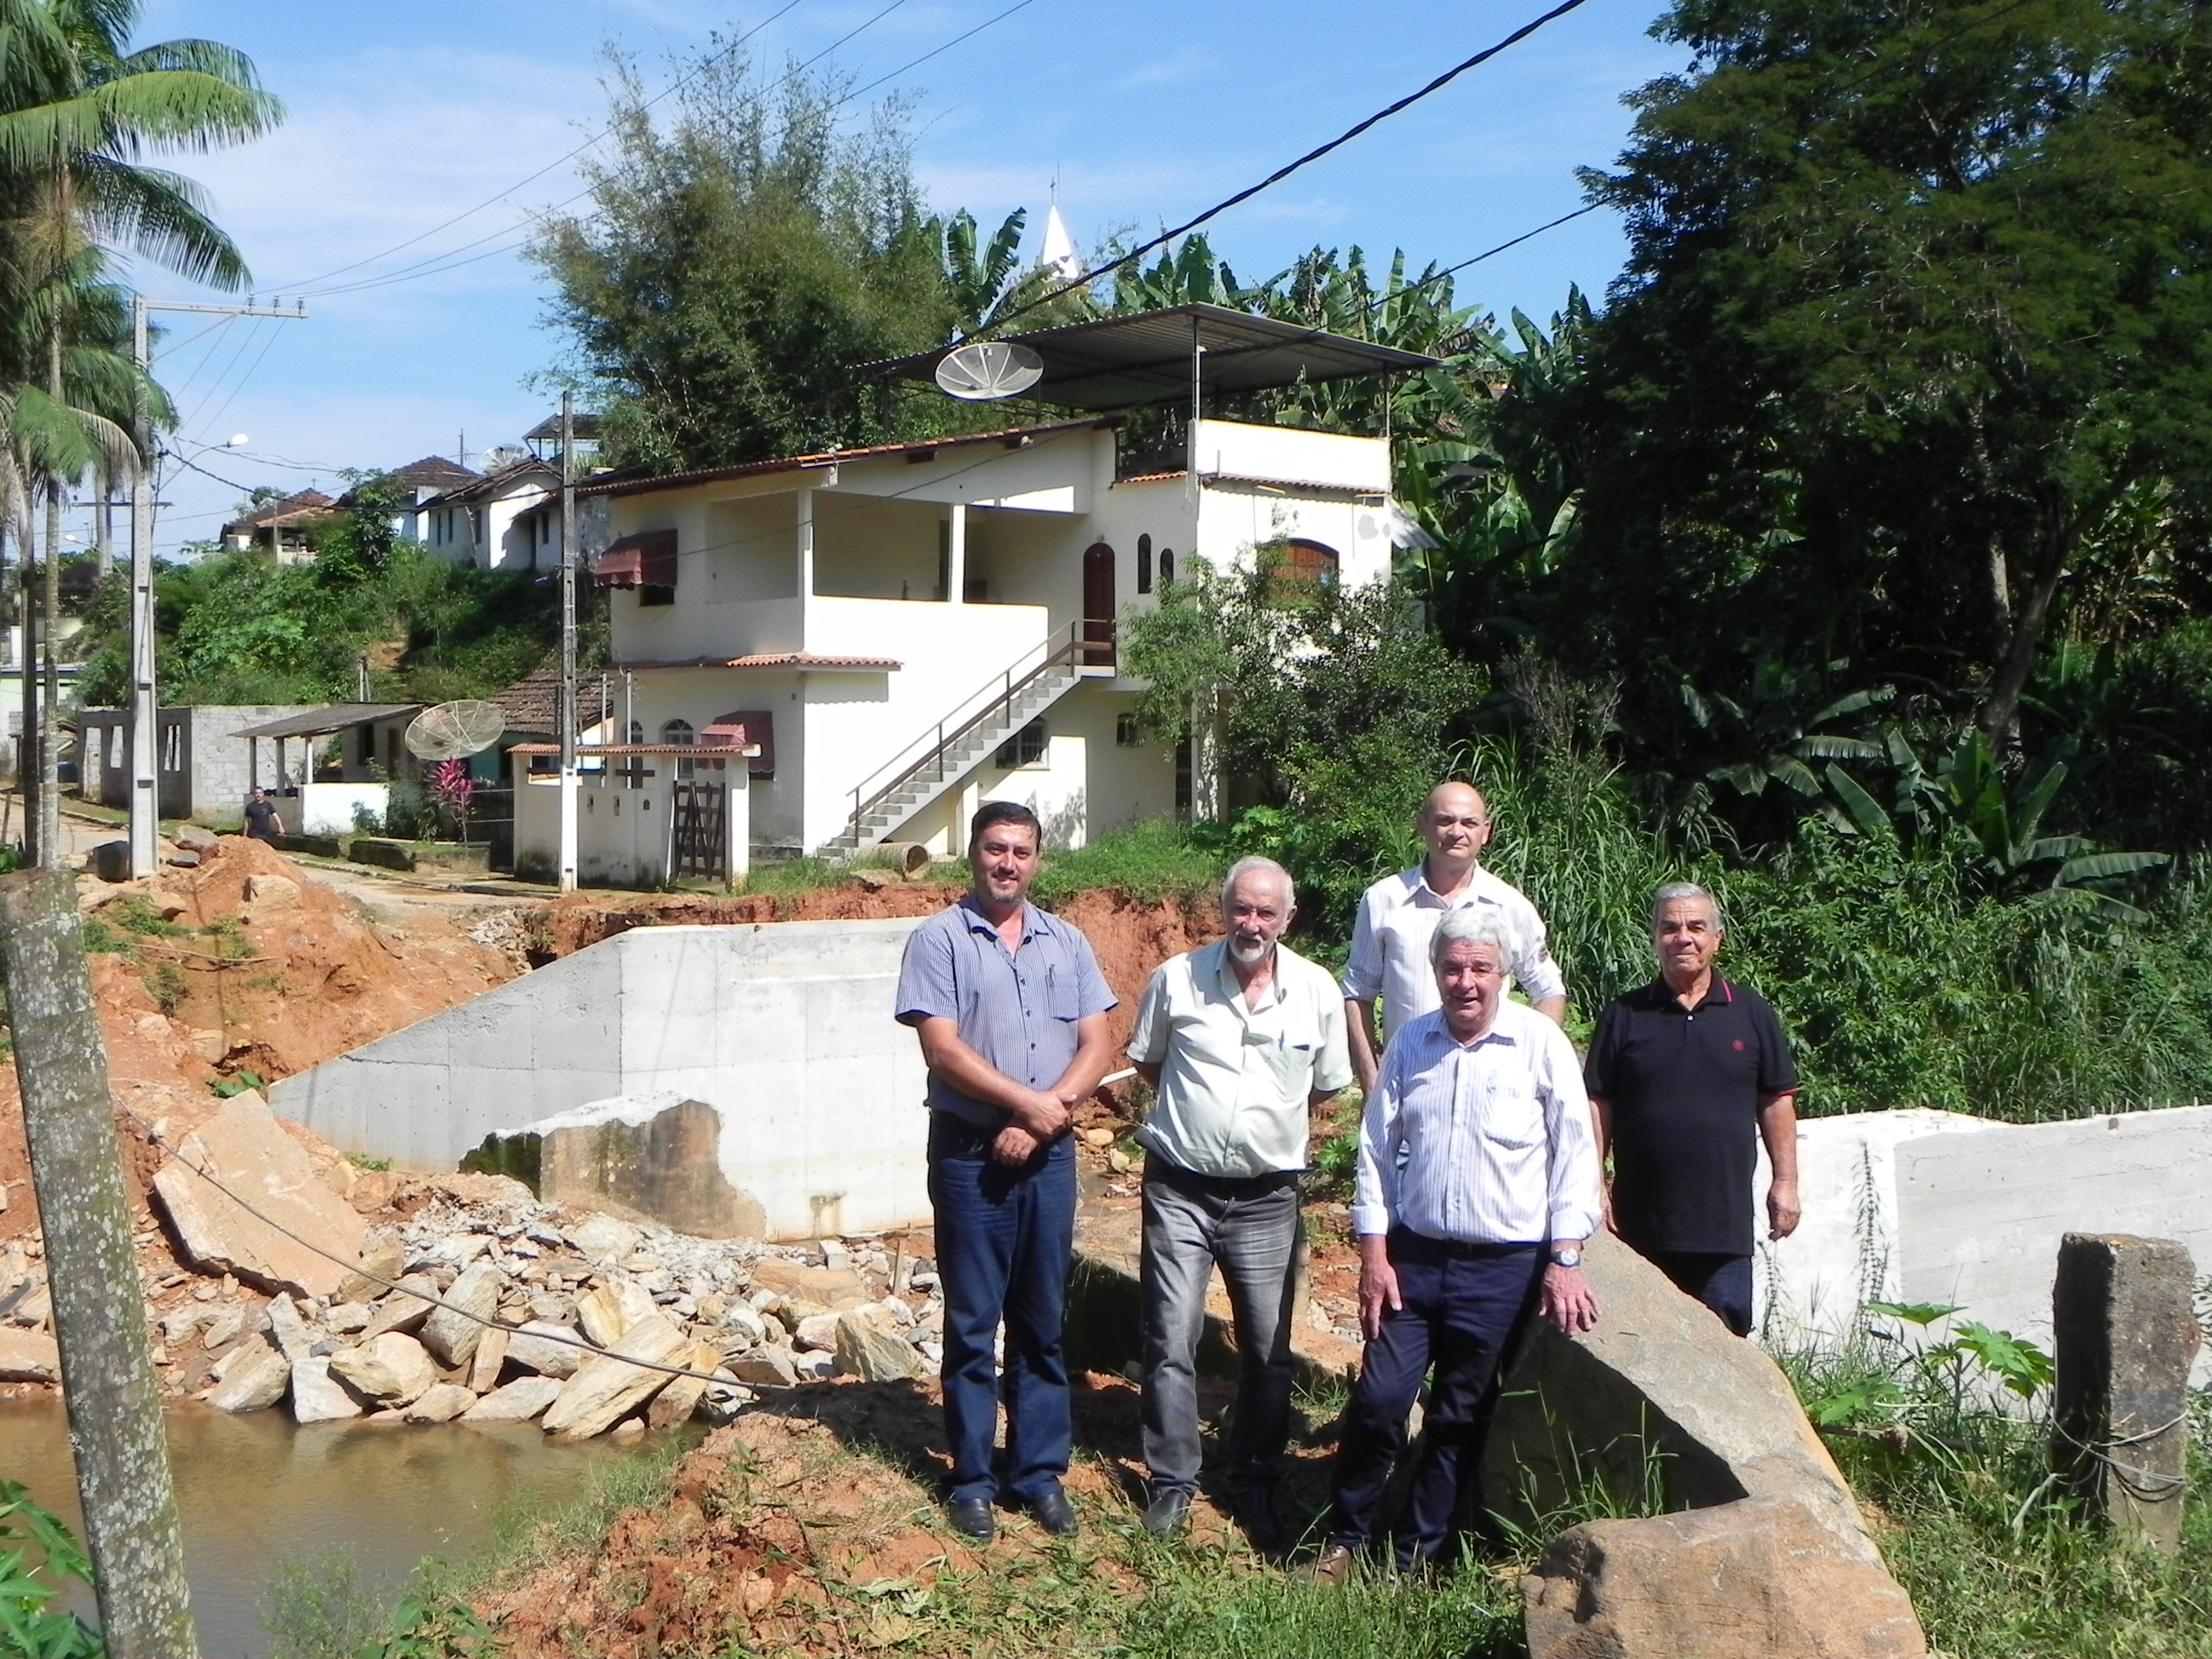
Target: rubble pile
{"type": "Point", "coordinates": [747, 1316]}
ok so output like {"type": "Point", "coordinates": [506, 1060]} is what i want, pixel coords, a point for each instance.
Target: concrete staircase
{"type": "Point", "coordinates": [936, 762]}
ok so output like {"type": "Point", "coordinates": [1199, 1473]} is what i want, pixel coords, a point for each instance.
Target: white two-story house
{"type": "Point", "coordinates": [906, 631]}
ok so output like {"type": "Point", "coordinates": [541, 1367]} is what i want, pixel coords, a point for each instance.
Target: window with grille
{"type": "Point", "coordinates": [1126, 732]}
{"type": "Point", "coordinates": [680, 731]}
{"type": "Point", "coordinates": [1025, 748]}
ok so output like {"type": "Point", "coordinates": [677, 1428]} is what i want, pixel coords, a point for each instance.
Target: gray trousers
{"type": "Point", "coordinates": [1250, 1228]}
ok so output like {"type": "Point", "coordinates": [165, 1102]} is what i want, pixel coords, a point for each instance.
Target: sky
{"type": "Point", "coordinates": [395, 193]}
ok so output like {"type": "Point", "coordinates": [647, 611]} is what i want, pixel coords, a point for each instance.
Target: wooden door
{"type": "Point", "coordinates": [1098, 605]}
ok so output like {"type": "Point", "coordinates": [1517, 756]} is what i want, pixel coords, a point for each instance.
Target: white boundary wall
{"type": "Point", "coordinates": [785, 1028]}
{"type": "Point", "coordinates": [1916, 1205]}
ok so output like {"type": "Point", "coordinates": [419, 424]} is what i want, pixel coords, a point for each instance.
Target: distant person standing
{"type": "Point", "coordinates": [1011, 1009]}
{"type": "Point", "coordinates": [1241, 1039]}
{"type": "Point", "coordinates": [1398, 915]}
{"type": "Point", "coordinates": [1687, 1074]}
{"type": "Point", "coordinates": [263, 821]}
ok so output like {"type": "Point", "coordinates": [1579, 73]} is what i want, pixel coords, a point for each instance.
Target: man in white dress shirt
{"type": "Point", "coordinates": [1478, 1185]}
{"type": "Point", "coordinates": [1390, 933]}
{"type": "Point", "coordinates": [1239, 1038]}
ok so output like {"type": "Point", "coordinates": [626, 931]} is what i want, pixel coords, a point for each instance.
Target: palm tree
{"type": "Point", "coordinates": [78, 112]}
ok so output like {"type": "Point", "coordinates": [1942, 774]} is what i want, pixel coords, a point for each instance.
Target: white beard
{"type": "Point", "coordinates": [1251, 959]}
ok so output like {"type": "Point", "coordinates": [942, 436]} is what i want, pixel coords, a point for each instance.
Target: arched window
{"type": "Point", "coordinates": [680, 731]}
{"type": "Point", "coordinates": [1298, 568]}
{"type": "Point", "coordinates": [1167, 565]}
{"type": "Point", "coordinates": [1144, 564]}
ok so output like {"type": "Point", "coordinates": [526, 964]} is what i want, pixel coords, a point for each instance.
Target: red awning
{"type": "Point", "coordinates": [645, 559]}
{"type": "Point", "coordinates": [741, 730]}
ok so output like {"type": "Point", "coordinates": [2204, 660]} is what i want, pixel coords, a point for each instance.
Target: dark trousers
{"type": "Point", "coordinates": [1250, 1230]}
{"type": "Point", "coordinates": [1004, 1237]}
{"type": "Point", "coordinates": [1722, 1283]}
{"type": "Point", "coordinates": [1461, 1306]}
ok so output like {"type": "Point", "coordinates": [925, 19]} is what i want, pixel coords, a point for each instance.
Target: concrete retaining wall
{"type": "Point", "coordinates": [1934, 1207]}
{"type": "Point", "coordinates": [785, 1028]}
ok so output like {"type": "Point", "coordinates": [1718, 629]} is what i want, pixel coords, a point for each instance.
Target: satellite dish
{"type": "Point", "coordinates": [449, 731]}
{"type": "Point", "coordinates": [984, 369]}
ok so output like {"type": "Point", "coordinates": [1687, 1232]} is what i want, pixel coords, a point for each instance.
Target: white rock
{"type": "Point", "coordinates": [531, 1348]}
{"type": "Point", "coordinates": [255, 1379]}
{"type": "Point", "coordinates": [223, 1328]}
{"type": "Point", "coordinates": [603, 1391]}
{"type": "Point", "coordinates": [769, 1367]}
{"type": "Point", "coordinates": [816, 1367]}
{"type": "Point", "coordinates": [612, 1309]}
{"type": "Point", "coordinates": [745, 1326]}
{"type": "Point", "coordinates": [519, 1401]}
{"type": "Point", "coordinates": [290, 1329]}
{"type": "Point", "coordinates": [449, 1332]}
{"type": "Point", "coordinates": [402, 1312]}
{"type": "Point", "coordinates": [603, 1239]}
{"type": "Point", "coordinates": [440, 1403]}
{"type": "Point", "coordinates": [393, 1369]}
{"type": "Point", "coordinates": [318, 1397]}
{"type": "Point", "coordinates": [816, 1334]}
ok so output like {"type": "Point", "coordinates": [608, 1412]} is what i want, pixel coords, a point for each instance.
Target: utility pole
{"type": "Point", "coordinates": [145, 796]}
{"type": "Point", "coordinates": [569, 781]}
{"type": "Point", "coordinates": [107, 1360]}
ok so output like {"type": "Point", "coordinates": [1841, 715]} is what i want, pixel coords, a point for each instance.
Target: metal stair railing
{"type": "Point", "coordinates": [933, 752]}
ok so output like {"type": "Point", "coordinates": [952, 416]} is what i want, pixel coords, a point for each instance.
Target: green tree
{"type": "Point", "coordinates": [1917, 300]}
{"type": "Point", "coordinates": [738, 261]}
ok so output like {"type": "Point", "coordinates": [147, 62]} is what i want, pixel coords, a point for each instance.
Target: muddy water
{"type": "Point", "coordinates": [256, 1489]}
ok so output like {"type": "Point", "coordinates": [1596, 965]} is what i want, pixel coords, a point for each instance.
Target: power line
{"type": "Point", "coordinates": [432, 267]}
{"type": "Point", "coordinates": [697, 69]}
{"type": "Point", "coordinates": [252, 370]}
{"type": "Point", "coordinates": [1290, 168]}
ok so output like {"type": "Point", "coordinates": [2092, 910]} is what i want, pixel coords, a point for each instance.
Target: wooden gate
{"type": "Point", "coordinates": [697, 847]}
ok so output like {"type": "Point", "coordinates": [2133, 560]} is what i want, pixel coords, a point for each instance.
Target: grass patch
{"type": "Point", "coordinates": [1199, 1610]}
{"type": "Point", "coordinates": [1152, 860]}
{"type": "Point", "coordinates": [528, 1536]}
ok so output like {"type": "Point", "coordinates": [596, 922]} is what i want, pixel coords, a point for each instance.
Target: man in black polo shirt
{"type": "Point", "coordinates": [1683, 1073]}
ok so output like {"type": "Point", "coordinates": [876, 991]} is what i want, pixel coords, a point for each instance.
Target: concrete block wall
{"type": "Point", "coordinates": [1934, 1207]}
{"type": "Point", "coordinates": [785, 1028]}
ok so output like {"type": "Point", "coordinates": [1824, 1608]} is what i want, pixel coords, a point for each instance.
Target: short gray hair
{"type": "Point", "coordinates": [1259, 866]}
{"type": "Point", "coordinates": [1471, 924]}
{"type": "Point", "coordinates": [1670, 891]}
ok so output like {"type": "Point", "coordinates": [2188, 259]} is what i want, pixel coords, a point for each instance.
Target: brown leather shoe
{"type": "Point", "coordinates": [1332, 1566]}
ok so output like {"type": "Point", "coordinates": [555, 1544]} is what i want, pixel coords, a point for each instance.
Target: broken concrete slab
{"type": "Point", "coordinates": [518, 1401]}
{"type": "Point", "coordinates": [658, 1156]}
{"type": "Point", "coordinates": [29, 1356]}
{"type": "Point", "coordinates": [604, 1390]}
{"type": "Point", "coordinates": [318, 1397]}
{"type": "Point", "coordinates": [254, 1377]}
{"type": "Point", "coordinates": [1751, 1579]}
{"type": "Point", "coordinates": [1658, 1378]}
{"type": "Point", "coordinates": [244, 1148]}
{"type": "Point", "coordinates": [449, 1332]}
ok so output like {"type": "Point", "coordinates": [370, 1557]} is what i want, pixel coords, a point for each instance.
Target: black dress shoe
{"type": "Point", "coordinates": [971, 1519]}
{"type": "Point", "coordinates": [1055, 1514]}
{"type": "Point", "coordinates": [1165, 1515]}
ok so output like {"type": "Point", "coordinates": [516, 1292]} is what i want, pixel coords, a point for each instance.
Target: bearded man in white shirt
{"type": "Point", "coordinates": [1478, 1184]}
{"type": "Point", "coordinates": [1390, 933]}
{"type": "Point", "coordinates": [1240, 1039]}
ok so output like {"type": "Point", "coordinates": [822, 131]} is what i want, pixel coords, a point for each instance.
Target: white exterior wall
{"type": "Point", "coordinates": [623, 835]}
{"type": "Point", "coordinates": [786, 1029]}
{"type": "Point", "coordinates": [1935, 1206]}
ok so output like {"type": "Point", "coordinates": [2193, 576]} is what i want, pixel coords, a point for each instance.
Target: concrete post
{"type": "Point", "coordinates": [737, 819]}
{"type": "Point", "coordinates": [2126, 1324]}
{"type": "Point", "coordinates": [956, 554]}
{"type": "Point", "coordinates": [805, 540]}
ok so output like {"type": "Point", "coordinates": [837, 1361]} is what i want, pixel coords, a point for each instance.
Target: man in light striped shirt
{"type": "Point", "coordinates": [1478, 1184]}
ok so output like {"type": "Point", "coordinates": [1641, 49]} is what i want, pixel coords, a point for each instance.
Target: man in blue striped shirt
{"type": "Point", "coordinates": [1478, 1184]}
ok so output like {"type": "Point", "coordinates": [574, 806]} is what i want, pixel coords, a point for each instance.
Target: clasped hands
{"type": "Point", "coordinates": [1043, 1117]}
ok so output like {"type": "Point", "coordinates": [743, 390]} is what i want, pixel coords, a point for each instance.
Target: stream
{"type": "Point", "coordinates": [256, 1489]}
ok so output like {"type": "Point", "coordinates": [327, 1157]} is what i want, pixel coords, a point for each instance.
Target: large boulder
{"type": "Point", "coordinates": [658, 1156]}
{"type": "Point", "coordinates": [604, 1390]}
{"type": "Point", "coordinates": [393, 1369]}
{"type": "Point", "coordinates": [872, 1353]}
{"type": "Point", "coordinates": [1753, 1579]}
{"type": "Point", "coordinates": [449, 1332]}
{"type": "Point", "coordinates": [29, 1356]}
{"type": "Point", "coordinates": [304, 1238]}
{"type": "Point", "coordinates": [517, 1402]}
{"type": "Point", "coordinates": [318, 1397]}
{"type": "Point", "coordinates": [1659, 1384]}
{"type": "Point", "coordinates": [547, 1349]}
{"type": "Point", "coordinates": [255, 1376]}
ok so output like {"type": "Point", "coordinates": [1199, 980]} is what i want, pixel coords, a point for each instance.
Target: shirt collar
{"type": "Point", "coordinates": [1660, 995]}
{"type": "Point", "coordinates": [1224, 977]}
{"type": "Point", "coordinates": [1472, 893]}
{"type": "Point", "coordinates": [1032, 919]}
{"type": "Point", "coordinates": [1441, 1035]}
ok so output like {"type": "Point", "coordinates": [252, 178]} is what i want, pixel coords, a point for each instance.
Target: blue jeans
{"type": "Point", "coordinates": [1460, 1308]}
{"type": "Point", "coordinates": [1004, 1239]}
{"type": "Point", "coordinates": [1722, 1283]}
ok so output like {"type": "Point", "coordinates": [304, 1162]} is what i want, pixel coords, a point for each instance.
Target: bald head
{"type": "Point", "coordinates": [1455, 824]}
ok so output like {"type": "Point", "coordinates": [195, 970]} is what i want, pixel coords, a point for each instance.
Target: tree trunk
{"type": "Point", "coordinates": [107, 1360]}
{"type": "Point", "coordinates": [28, 768]}
{"type": "Point", "coordinates": [2001, 714]}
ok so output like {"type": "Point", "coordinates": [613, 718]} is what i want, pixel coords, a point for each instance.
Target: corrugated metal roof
{"type": "Point", "coordinates": [1121, 362]}
{"type": "Point", "coordinates": [321, 722]}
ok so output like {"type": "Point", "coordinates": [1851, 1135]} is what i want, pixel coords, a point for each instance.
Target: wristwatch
{"type": "Point", "coordinates": [1570, 1257]}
